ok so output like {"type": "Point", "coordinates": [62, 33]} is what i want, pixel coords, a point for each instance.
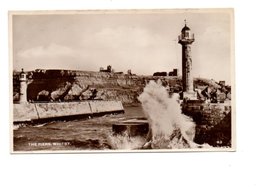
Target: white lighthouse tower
{"type": "Point", "coordinates": [23, 87]}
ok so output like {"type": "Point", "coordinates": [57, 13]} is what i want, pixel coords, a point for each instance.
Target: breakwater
{"type": "Point", "coordinates": [38, 111]}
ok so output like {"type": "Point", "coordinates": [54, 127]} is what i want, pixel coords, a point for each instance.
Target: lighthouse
{"type": "Point", "coordinates": [23, 87]}
{"type": "Point", "coordinates": [186, 39]}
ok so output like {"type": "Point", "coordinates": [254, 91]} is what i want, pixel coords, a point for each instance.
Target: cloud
{"type": "Point", "coordinates": [212, 50]}
{"type": "Point", "coordinates": [52, 50]}
{"type": "Point", "coordinates": [125, 37]}
{"type": "Point", "coordinates": [128, 47]}
{"type": "Point", "coordinates": [216, 36]}
{"type": "Point", "coordinates": [52, 56]}
{"type": "Point", "coordinates": [138, 49]}
{"type": "Point", "coordinates": [134, 48]}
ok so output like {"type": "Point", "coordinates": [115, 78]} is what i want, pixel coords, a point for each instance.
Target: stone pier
{"type": "Point", "coordinates": [38, 111]}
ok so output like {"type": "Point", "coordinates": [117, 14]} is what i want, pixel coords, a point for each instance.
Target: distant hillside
{"type": "Point", "coordinates": [67, 85]}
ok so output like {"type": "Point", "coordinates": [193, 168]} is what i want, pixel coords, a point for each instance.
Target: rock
{"type": "Point", "coordinates": [61, 92]}
{"type": "Point", "coordinates": [43, 96]}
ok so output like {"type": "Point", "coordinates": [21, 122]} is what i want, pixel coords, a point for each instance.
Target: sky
{"type": "Point", "coordinates": [143, 41]}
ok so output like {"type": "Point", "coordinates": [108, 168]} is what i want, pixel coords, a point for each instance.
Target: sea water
{"type": "Point", "coordinates": [170, 129]}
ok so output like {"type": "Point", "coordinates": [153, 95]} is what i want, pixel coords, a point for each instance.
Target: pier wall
{"type": "Point", "coordinates": [105, 106]}
{"type": "Point", "coordinates": [24, 112]}
{"type": "Point", "coordinates": [206, 113]}
{"type": "Point", "coordinates": [37, 111]}
{"type": "Point", "coordinates": [213, 122]}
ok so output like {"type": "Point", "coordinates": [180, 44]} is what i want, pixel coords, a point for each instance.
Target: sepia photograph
{"type": "Point", "coordinates": [122, 81]}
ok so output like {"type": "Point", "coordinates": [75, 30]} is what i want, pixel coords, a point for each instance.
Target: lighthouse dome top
{"type": "Point", "coordinates": [186, 36]}
{"type": "Point", "coordinates": [185, 28]}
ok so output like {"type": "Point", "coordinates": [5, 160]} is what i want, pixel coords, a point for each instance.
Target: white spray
{"type": "Point", "coordinates": [170, 128]}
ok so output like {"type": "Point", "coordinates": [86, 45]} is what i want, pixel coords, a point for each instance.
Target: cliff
{"type": "Point", "coordinates": [67, 85]}
{"type": "Point", "coordinates": [60, 85]}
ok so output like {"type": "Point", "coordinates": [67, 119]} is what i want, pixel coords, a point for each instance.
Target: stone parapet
{"type": "Point", "coordinates": [100, 106]}
{"type": "Point", "coordinates": [24, 112]}
{"type": "Point", "coordinates": [37, 111]}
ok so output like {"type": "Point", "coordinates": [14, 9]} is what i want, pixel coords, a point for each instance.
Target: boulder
{"type": "Point", "coordinates": [43, 96]}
